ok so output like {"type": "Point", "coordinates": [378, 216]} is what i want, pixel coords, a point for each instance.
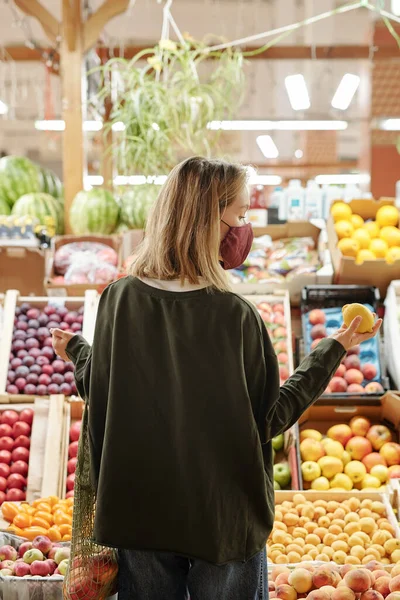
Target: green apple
{"type": "Point", "coordinates": [277, 486]}
{"type": "Point", "coordinates": [282, 474]}
{"type": "Point", "coordinates": [277, 442]}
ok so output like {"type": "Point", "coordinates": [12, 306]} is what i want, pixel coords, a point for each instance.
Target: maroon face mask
{"type": "Point", "coordinates": [235, 246]}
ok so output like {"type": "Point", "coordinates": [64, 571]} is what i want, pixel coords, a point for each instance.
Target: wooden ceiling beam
{"type": "Point", "coordinates": [34, 8]}
{"type": "Point", "coordinates": [99, 19]}
{"type": "Point", "coordinates": [22, 53]}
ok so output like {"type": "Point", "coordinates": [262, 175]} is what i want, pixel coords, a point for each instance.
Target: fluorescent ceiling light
{"type": "Point", "coordinates": [345, 91]}
{"type": "Point", "coordinates": [3, 108]}
{"type": "Point", "coordinates": [343, 179]}
{"type": "Point", "coordinates": [298, 153]}
{"type": "Point", "coordinates": [297, 91]}
{"type": "Point", "coordinates": [265, 180]}
{"type": "Point", "coordinates": [395, 7]}
{"type": "Point", "coordinates": [390, 125]}
{"type": "Point", "coordinates": [59, 125]}
{"type": "Point", "coordinates": [278, 125]}
{"type": "Point", "coordinates": [267, 146]}
{"type": "Point", "coordinates": [140, 179]}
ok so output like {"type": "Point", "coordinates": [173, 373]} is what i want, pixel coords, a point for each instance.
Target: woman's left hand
{"type": "Point", "coordinates": [60, 341]}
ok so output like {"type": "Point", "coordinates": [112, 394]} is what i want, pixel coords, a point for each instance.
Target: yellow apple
{"type": "Point", "coordinates": [310, 470]}
{"type": "Point", "coordinates": [330, 466]}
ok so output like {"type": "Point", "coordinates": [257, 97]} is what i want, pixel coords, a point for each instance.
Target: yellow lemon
{"type": "Point", "coordinates": [341, 211]}
{"type": "Point", "coordinates": [356, 221]}
{"type": "Point", "coordinates": [364, 255]}
{"type": "Point", "coordinates": [392, 255]}
{"type": "Point", "coordinates": [344, 229]}
{"type": "Point", "coordinates": [378, 247]}
{"type": "Point", "coordinates": [363, 237]}
{"type": "Point", "coordinates": [349, 247]}
{"type": "Point", "coordinates": [373, 228]}
{"type": "Point", "coordinates": [351, 311]}
{"type": "Point", "coordinates": [387, 215]}
{"type": "Point", "coordinates": [391, 235]}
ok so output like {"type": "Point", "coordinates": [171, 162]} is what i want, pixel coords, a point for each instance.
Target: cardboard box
{"type": "Point", "coordinates": [371, 272]}
{"type": "Point", "coordinates": [78, 289]}
{"type": "Point", "coordinates": [317, 232]}
{"type": "Point", "coordinates": [22, 268]}
{"type": "Point", "coordinates": [384, 411]}
{"type": "Point", "coordinates": [391, 328]}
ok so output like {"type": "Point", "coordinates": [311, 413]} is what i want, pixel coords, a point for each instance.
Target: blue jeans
{"type": "Point", "coordinates": [165, 576]}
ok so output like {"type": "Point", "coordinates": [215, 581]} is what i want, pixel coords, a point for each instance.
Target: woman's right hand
{"type": "Point", "coordinates": [348, 336]}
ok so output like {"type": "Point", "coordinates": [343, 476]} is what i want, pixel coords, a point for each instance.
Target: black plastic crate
{"type": "Point", "coordinates": [330, 296]}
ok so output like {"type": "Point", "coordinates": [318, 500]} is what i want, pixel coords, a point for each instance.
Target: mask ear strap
{"type": "Point", "coordinates": [222, 221]}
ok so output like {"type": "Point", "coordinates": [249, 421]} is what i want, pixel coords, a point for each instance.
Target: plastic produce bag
{"type": "Point", "coordinates": [88, 268]}
{"type": "Point", "coordinates": [66, 255]}
{"type": "Point", "coordinates": [93, 569]}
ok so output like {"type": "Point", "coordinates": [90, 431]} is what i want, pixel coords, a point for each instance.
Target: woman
{"type": "Point", "coordinates": [183, 387]}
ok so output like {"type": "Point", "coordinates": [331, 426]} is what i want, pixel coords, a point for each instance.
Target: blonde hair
{"type": "Point", "coordinates": [183, 231]}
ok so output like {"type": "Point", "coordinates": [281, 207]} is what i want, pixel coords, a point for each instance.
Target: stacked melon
{"type": "Point", "coordinates": [367, 240]}
{"type": "Point", "coordinates": [27, 190]}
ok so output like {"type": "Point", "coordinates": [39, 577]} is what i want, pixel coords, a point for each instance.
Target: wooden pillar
{"type": "Point", "coordinates": [385, 159]}
{"type": "Point", "coordinates": [107, 163]}
{"type": "Point", "coordinates": [71, 83]}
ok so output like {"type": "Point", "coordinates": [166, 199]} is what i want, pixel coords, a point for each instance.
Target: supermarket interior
{"type": "Point", "coordinates": [99, 100]}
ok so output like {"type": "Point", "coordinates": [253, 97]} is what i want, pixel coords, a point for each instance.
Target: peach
{"type": "Point", "coordinates": [374, 388]}
{"type": "Point", "coordinates": [328, 588]}
{"type": "Point", "coordinates": [393, 596]}
{"type": "Point", "coordinates": [340, 371]}
{"type": "Point", "coordinates": [317, 317]}
{"type": "Point", "coordinates": [391, 453]}
{"type": "Point", "coordinates": [338, 385]}
{"type": "Point", "coordinates": [394, 472]}
{"type": "Point", "coordinates": [286, 592]}
{"type": "Point", "coordinates": [323, 576]}
{"type": "Point", "coordinates": [358, 447]}
{"type": "Point", "coordinates": [360, 426]}
{"type": "Point", "coordinates": [318, 332]}
{"type": "Point", "coordinates": [354, 375]}
{"type": "Point", "coordinates": [372, 459]}
{"type": "Point", "coordinates": [343, 593]}
{"type": "Point", "coordinates": [341, 433]}
{"type": "Point", "coordinates": [352, 362]}
{"type": "Point", "coordinates": [381, 585]}
{"type": "Point", "coordinates": [311, 450]}
{"type": "Point", "coordinates": [378, 435]}
{"type": "Point", "coordinates": [345, 569]}
{"type": "Point", "coordinates": [394, 585]}
{"type": "Point", "coordinates": [315, 343]}
{"type": "Point", "coordinates": [358, 580]}
{"type": "Point", "coordinates": [355, 388]}
{"type": "Point", "coordinates": [369, 371]}
{"type": "Point", "coordinates": [319, 595]}
{"type": "Point", "coordinates": [371, 595]}
{"type": "Point", "coordinates": [282, 578]}
{"type": "Point", "coordinates": [301, 580]}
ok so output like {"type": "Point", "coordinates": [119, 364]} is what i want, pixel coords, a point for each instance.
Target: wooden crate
{"type": "Point", "coordinates": [385, 411]}
{"type": "Point", "coordinates": [73, 410]}
{"type": "Point", "coordinates": [13, 298]}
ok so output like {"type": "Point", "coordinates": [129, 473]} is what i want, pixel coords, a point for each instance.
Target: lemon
{"type": "Point", "coordinates": [351, 311]}
{"type": "Point", "coordinates": [392, 255]}
{"type": "Point", "coordinates": [391, 235]}
{"type": "Point", "coordinates": [344, 229]}
{"type": "Point", "coordinates": [363, 237]}
{"type": "Point", "coordinates": [378, 247]}
{"type": "Point", "coordinates": [364, 255]}
{"type": "Point", "coordinates": [348, 247]}
{"type": "Point", "coordinates": [341, 211]}
{"type": "Point", "coordinates": [356, 221]}
{"type": "Point", "coordinates": [373, 228]}
{"type": "Point", "coordinates": [387, 215]}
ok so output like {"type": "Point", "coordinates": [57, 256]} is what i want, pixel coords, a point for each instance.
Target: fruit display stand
{"type": "Point", "coordinates": [294, 285]}
{"type": "Point", "coordinates": [22, 266]}
{"type": "Point", "coordinates": [38, 372]}
{"type": "Point", "coordinates": [363, 369]}
{"type": "Point", "coordinates": [311, 527]}
{"type": "Point", "coordinates": [391, 328]}
{"type": "Point", "coordinates": [56, 285]}
{"type": "Point", "coordinates": [378, 271]}
{"type": "Point", "coordinates": [369, 445]}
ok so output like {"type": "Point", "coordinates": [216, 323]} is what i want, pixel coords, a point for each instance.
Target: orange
{"type": "Point", "coordinates": [373, 228]}
{"type": "Point", "coordinates": [387, 216]}
{"type": "Point", "coordinates": [391, 235]}
{"type": "Point", "coordinates": [22, 520]}
{"type": "Point", "coordinates": [344, 229]}
{"type": "Point", "coordinates": [341, 211]}
{"type": "Point", "coordinates": [378, 247]}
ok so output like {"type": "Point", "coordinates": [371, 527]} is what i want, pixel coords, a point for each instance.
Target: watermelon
{"type": "Point", "coordinates": [39, 206]}
{"type": "Point", "coordinates": [95, 211]}
{"type": "Point", "coordinates": [50, 183]}
{"type": "Point", "coordinates": [4, 207]}
{"type": "Point", "coordinates": [136, 204]}
{"type": "Point", "coordinates": [18, 176]}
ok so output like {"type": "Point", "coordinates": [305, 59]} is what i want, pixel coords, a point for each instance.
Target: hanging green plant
{"type": "Point", "coordinates": [163, 100]}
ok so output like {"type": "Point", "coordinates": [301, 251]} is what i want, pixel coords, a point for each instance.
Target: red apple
{"type": "Point", "coordinates": [20, 467]}
{"type": "Point", "coordinates": [338, 385]}
{"type": "Point", "coordinates": [9, 417]}
{"type": "Point", "coordinates": [71, 467]}
{"type": "Point", "coordinates": [6, 443]}
{"type": "Point", "coordinates": [22, 440]}
{"type": "Point", "coordinates": [5, 430]}
{"type": "Point", "coordinates": [75, 431]}
{"type": "Point", "coordinates": [21, 428]}
{"type": "Point", "coordinates": [70, 482]}
{"type": "Point", "coordinates": [20, 453]}
{"type": "Point", "coordinates": [4, 470]}
{"type": "Point", "coordinates": [15, 495]}
{"type": "Point", "coordinates": [5, 457]}
{"type": "Point", "coordinates": [3, 484]}
{"type": "Point", "coordinates": [16, 481]}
